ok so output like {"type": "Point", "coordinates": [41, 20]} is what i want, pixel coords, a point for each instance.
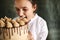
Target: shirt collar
{"type": "Point", "coordinates": [33, 18]}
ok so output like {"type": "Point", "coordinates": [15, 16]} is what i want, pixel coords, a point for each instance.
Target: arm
{"type": "Point", "coordinates": [30, 36]}
{"type": "Point", "coordinates": [43, 33]}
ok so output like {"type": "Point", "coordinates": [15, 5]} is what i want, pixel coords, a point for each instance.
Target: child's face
{"type": "Point", "coordinates": [24, 8]}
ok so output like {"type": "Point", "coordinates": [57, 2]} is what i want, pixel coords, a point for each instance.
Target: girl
{"type": "Point", "coordinates": [37, 25]}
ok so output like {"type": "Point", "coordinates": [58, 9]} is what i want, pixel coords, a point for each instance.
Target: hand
{"type": "Point", "coordinates": [30, 37]}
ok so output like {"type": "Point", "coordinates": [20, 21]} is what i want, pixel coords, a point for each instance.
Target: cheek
{"type": "Point", "coordinates": [17, 12]}
{"type": "Point", "coordinates": [29, 13]}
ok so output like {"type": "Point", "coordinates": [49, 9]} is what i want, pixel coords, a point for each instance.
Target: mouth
{"type": "Point", "coordinates": [23, 17]}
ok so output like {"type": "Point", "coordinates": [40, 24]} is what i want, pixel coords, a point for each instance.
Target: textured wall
{"type": "Point", "coordinates": [7, 8]}
{"type": "Point", "coordinates": [50, 11]}
{"type": "Point", "coordinates": [53, 8]}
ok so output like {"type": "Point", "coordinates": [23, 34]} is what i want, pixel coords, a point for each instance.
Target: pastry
{"type": "Point", "coordinates": [2, 24]}
{"type": "Point", "coordinates": [15, 24]}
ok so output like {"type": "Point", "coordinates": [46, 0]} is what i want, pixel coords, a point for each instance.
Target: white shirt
{"type": "Point", "coordinates": [38, 27]}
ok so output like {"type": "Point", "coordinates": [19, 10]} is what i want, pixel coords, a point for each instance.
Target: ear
{"type": "Point", "coordinates": [34, 7]}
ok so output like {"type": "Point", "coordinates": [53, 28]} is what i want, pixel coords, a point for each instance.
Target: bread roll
{"type": "Point", "coordinates": [22, 22]}
{"type": "Point", "coordinates": [15, 23]}
{"type": "Point", "coordinates": [25, 20]}
{"type": "Point", "coordinates": [3, 19]}
{"type": "Point", "coordinates": [2, 24]}
{"type": "Point", "coordinates": [9, 25]}
{"type": "Point", "coordinates": [7, 19]}
{"type": "Point", "coordinates": [18, 19]}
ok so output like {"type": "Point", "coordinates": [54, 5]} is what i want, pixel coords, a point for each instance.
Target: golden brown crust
{"type": "Point", "coordinates": [2, 24]}
{"type": "Point", "coordinates": [7, 19]}
{"type": "Point", "coordinates": [3, 19]}
{"type": "Point", "coordinates": [15, 23]}
{"type": "Point", "coordinates": [9, 25]}
{"type": "Point", "coordinates": [18, 20]}
{"type": "Point", "coordinates": [25, 20]}
{"type": "Point", "coordinates": [22, 22]}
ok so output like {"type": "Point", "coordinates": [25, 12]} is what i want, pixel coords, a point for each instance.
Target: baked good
{"type": "Point", "coordinates": [13, 29]}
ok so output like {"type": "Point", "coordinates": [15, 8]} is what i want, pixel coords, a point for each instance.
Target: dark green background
{"type": "Point", "coordinates": [48, 9]}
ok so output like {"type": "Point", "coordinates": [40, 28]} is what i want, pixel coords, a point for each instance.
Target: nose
{"type": "Point", "coordinates": [20, 13]}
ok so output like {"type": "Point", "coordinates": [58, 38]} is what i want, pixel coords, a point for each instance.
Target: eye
{"type": "Point", "coordinates": [25, 9]}
{"type": "Point", "coordinates": [17, 9]}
